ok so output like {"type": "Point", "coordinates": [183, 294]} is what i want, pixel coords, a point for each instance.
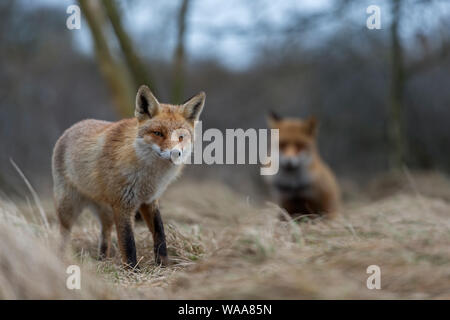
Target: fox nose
{"type": "Point", "coordinates": [175, 154]}
{"type": "Point", "coordinates": [290, 163]}
{"type": "Point", "coordinates": [290, 166]}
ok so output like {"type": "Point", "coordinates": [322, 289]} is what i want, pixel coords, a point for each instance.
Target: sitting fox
{"type": "Point", "coordinates": [304, 184]}
{"type": "Point", "coordinates": [116, 168]}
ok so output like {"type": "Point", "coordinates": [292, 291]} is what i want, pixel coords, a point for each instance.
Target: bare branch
{"type": "Point", "coordinates": [137, 68]}
{"type": "Point", "coordinates": [179, 58]}
{"type": "Point", "coordinates": [114, 76]}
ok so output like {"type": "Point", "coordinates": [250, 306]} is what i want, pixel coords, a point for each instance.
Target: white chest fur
{"type": "Point", "coordinates": [152, 177]}
{"type": "Point", "coordinates": [162, 182]}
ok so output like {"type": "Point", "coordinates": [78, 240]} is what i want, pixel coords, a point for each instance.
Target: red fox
{"type": "Point", "coordinates": [304, 184]}
{"type": "Point", "coordinates": [117, 168]}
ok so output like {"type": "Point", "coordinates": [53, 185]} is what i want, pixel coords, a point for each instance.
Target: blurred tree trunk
{"type": "Point", "coordinates": [115, 76]}
{"type": "Point", "coordinates": [397, 133]}
{"type": "Point", "coordinates": [179, 58]}
{"type": "Point", "coordinates": [137, 68]}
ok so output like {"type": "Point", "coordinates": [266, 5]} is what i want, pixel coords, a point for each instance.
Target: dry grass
{"type": "Point", "coordinates": [224, 246]}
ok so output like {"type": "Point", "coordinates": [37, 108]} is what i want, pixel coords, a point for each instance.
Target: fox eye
{"type": "Point", "coordinates": [158, 133]}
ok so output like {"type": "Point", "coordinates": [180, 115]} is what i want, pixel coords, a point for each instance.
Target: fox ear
{"type": "Point", "coordinates": [312, 125]}
{"type": "Point", "coordinates": [193, 107]}
{"type": "Point", "coordinates": [146, 104]}
{"type": "Point", "coordinates": [273, 118]}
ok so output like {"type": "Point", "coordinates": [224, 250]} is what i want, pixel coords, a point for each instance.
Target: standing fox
{"type": "Point", "coordinates": [304, 184]}
{"type": "Point", "coordinates": [116, 168]}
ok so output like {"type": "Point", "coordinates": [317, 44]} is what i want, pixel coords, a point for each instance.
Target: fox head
{"type": "Point", "coordinates": [164, 129]}
{"type": "Point", "coordinates": [297, 138]}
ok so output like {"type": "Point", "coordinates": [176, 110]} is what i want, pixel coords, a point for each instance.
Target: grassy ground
{"type": "Point", "coordinates": [224, 245]}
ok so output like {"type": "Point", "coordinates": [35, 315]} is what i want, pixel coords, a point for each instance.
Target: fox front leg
{"type": "Point", "coordinates": [125, 237]}
{"type": "Point", "coordinates": [150, 213]}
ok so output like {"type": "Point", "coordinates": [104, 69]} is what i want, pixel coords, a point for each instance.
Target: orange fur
{"type": "Point", "coordinates": [304, 183]}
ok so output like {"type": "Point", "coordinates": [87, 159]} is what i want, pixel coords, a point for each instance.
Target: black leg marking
{"type": "Point", "coordinates": [130, 246]}
{"type": "Point", "coordinates": [159, 239]}
{"type": "Point", "coordinates": [103, 250]}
